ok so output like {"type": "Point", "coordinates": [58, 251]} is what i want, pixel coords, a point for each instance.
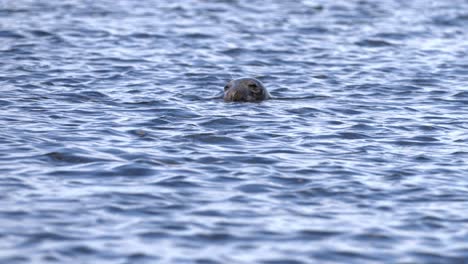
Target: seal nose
{"type": "Point", "coordinates": [237, 96]}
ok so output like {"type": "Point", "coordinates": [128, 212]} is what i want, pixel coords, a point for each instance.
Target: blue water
{"type": "Point", "coordinates": [115, 146]}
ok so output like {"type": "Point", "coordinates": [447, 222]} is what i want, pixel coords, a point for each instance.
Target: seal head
{"type": "Point", "coordinates": [245, 90]}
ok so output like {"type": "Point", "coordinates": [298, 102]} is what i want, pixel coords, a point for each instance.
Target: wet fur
{"type": "Point", "coordinates": [245, 90]}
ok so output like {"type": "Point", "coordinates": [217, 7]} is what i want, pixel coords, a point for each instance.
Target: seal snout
{"type": "Point", "coordinates": [245, 90]}
{"type": "Point", "coordinates": [236, 95]}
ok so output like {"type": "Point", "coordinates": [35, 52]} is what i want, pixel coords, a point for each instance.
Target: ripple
{"type": "Point", "coordinates": [317, 234]}
{"type": "Point", "coordinates": [5, 103]}
{"type": "Point", "coordinates": [62, 157]}
{"type": "Point", "coordinates": [133, 170]}
{"type": "Point", "coordinates": [374, 43]}
{"type": "Point", "coordinates": [177, 182]}
{"type": "Point", "coordinates": [351, 135]}
{"type": "Point", "coordinates": [285, 261]}
{"type": "Point", "coordinates": [254, 188]}
{"type": "Point", "coordinates": [10, 34]}
{"type": "Point", "coordinates": [209, 138]}
{"type": "Point", "coordinates": [41, 33]}
{"type": "Point", "coordinates": [221, 122]}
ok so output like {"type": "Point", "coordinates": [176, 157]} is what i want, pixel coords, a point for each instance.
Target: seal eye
{"type": "Point", "coordinates": [226, 87]}
{"type": "Point", "coordinates": [254, 88]}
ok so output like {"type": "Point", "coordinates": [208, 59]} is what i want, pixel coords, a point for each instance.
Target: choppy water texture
{"type": "Point", "coordinates": [115, 146]}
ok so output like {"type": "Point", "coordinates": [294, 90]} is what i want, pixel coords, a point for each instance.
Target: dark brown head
{"type": "Point", "coordinates": [245, 90]}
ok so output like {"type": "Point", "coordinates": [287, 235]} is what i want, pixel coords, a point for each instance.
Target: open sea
{"type": "Point", "coordinates": [116, 146]}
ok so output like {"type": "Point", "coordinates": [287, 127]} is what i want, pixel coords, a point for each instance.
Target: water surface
{"type": "Point", "coordinates": [114, 148]}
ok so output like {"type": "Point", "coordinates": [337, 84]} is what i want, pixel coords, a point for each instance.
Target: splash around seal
{"type": "Point", "coordinates": [245, 90]}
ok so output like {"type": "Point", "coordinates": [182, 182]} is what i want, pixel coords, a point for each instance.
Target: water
{"type": "Point", "coordinates": [115, 146]}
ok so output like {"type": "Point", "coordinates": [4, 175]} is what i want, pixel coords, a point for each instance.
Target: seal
{"type": "Point", "coordinates": [245, 90]}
